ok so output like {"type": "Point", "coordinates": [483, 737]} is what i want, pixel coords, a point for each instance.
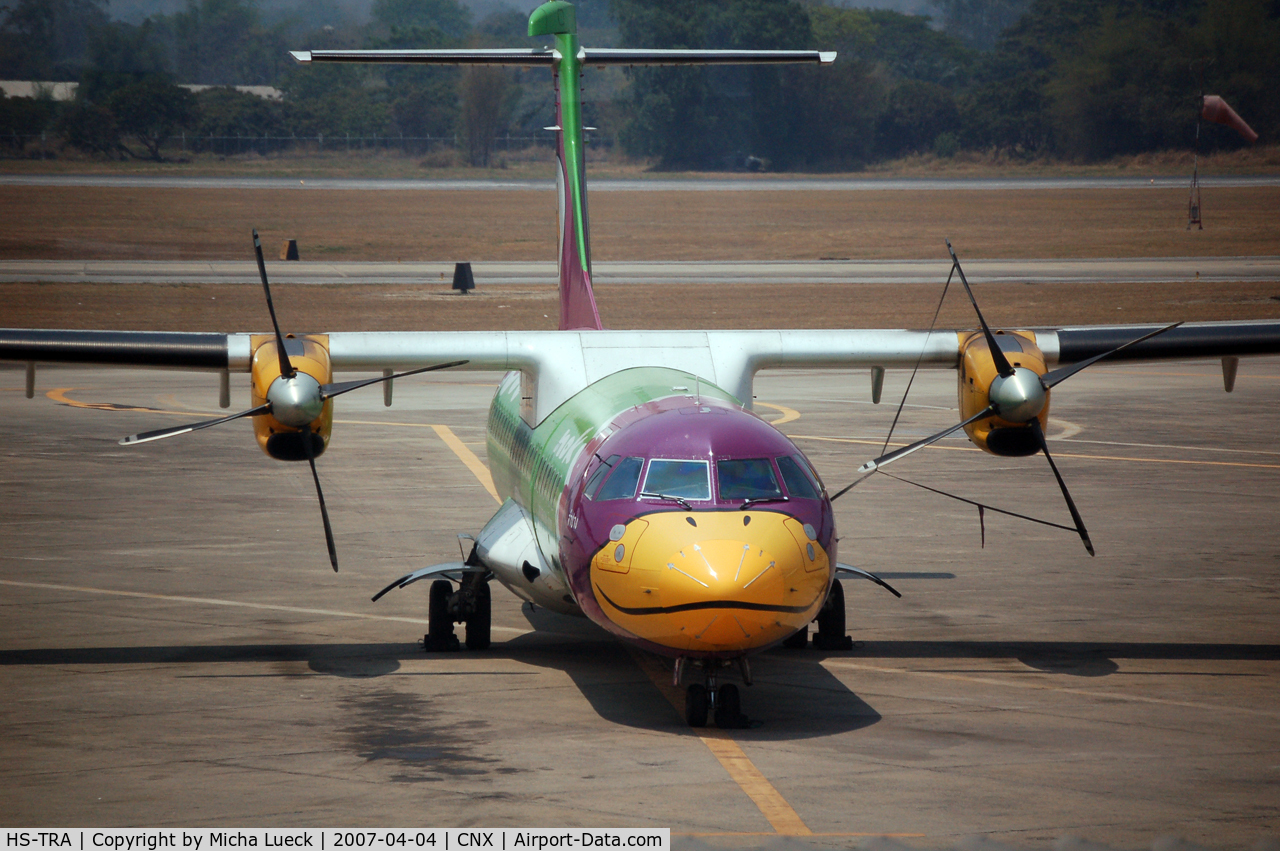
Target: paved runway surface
{"type": "Point", "coordinates": [1126, 270]}
{"type": "Point", "coordinates": [743, 183]}
{"type": "Point", "coordinates": [174, 649]}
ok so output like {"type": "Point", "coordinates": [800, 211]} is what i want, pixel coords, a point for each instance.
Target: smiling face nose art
{"type": "Point", "coordinates": [711, 581]}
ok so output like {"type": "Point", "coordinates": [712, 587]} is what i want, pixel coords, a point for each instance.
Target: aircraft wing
{"type": "Point", "coordinates": [1193, 340]}
{"type": "Point", "coordinates": [116, 348]}
{"type": "Point", "coordinates": [791, 348]}
{"type": "Point", "coordinates": [561, 363]}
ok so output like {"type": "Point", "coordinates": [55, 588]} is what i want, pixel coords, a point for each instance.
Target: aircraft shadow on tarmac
{"type": "Point", "coordinates": [786, 701]}
{"type": "Point", "coordinates": [793, 696]}
{"type": "Point", "coordinates": [1070, 658]}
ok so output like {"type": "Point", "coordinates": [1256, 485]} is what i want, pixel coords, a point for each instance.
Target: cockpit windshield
{"type": "Point", "coordinates": [683, 479]}
{"type": "Point", "coordinates": [622, 483]}
{"type": "Point", "coordinates": [747, 478]}
{"type": "Point", "coordinates": [799, 484]}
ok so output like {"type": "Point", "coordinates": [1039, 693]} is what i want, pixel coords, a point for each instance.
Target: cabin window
{"type": "Point", "coordinates": [797, 480]}
{"type": "Point", "coordinates": [622, 483]}
{"type": "Point", "coordinates": [747, 478]}
{"type": "Point", "coordinates": [684, 479]}
{"type": "Point", "coordinates": [598, 476]}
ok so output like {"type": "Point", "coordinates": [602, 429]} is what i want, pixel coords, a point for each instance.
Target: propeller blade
{"type": "Point", "coordinates": [1001, 362]}
{"type": "Point", "coordinates": [328, 391]}
{"type": "Point", "coordinates": [1066, 494]}
{"type": "Point", "coordinates": [160, 434]}
{"type": "Point", "coordinates": [870, 466]}
{"type": "Point", "coordinates": [844, 490]}
{"type": "Point", "coordinates": [286, 367]}
{"type": "Point", "coordinates": [1057, 376]}
{"type": "Point", "coordinates": [324, 512]}
{"type": "Point", "coordinates": [981, 506]}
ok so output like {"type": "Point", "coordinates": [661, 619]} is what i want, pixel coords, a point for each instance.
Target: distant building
{"type": "Point", "coordinates": [67, 91]}
{"type": "Point", "coordinates": [31, 89]}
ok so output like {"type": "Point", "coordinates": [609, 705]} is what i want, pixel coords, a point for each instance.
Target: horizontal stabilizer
{"type": "Point", "coordinates": [587, 56]}
{"type": "Point", "coordinates": [623, 56]}
{"type": "Point", "coordinates": [495, 56]}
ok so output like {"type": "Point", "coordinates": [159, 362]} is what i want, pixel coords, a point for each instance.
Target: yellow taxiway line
{"type": "Point", "coordinates": [780, 815]}
{"type": "Point", "coordinates": [465, 455]}
{"type": "Point", "coordinates": [469, 458]}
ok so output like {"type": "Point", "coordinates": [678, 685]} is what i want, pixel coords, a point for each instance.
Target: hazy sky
{"type": "Point", "coordinates": [135, 11]}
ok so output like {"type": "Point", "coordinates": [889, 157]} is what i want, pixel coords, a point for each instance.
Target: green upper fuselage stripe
{"type": "Point", "coordinates": [571, 128]}
{"type": "Point", "coordinates": [532, 465]}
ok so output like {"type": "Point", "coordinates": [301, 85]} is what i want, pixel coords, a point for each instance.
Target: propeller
{"type": "Point", "coordinates": [294, 399]}
{"type": "Point", "coordinates": [1001, 362]}
{"type": "Point", "coordinates": [1017, 395]}
{"type": "Point", "coordinates": [324, 512]}
{"type": "Point", "coordinates": [286, 368]}
{"type": "Point", "coordinates": [1066, 494]}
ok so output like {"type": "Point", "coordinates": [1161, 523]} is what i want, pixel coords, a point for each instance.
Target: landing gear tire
{"type": "Point", "coordinates": [798, 641]}
{"type": "Point", "coordinates": [478, 623]}
{"type": "Point", "coordinates": [695, 705]}
{"type": "Point", "coordinates": [439, 635]}
{"type": "Point", "coordinates": [729, 708]}
{"type": "Point", "coordinates": [831, 625]}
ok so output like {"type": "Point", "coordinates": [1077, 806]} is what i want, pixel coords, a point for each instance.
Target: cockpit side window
{"type": "Point", "coordinates": [799, 485]}
{"type": "Point", "coordinates": [685, 479]}
{"type": "Point", "coordinates": [622, 483]}
{"type": "Point", "coordinates": [747, 478]}
{"type": "Point", "coordinates": [598, 476]}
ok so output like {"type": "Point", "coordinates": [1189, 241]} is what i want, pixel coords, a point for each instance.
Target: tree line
{"type": "Point", "coordinates": [1075, 79]}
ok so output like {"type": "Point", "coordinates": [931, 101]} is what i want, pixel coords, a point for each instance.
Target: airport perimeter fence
{"type": "Point", "coordinates": [46, 145]}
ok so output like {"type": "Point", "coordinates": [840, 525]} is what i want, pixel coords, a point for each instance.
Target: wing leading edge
{"type": "Point", "coordinates": [561, 363]}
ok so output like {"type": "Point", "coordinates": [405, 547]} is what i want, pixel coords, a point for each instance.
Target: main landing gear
{"type": "Point", "coordinates": [831, 625]}
{"type": "Point", "coordinates": [723, 702]}
{"type": "Point", "coordinates": [469, 605]}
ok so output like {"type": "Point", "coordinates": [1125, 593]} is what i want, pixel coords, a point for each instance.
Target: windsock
{"type": "Point", "coordinates": [1217, 111]}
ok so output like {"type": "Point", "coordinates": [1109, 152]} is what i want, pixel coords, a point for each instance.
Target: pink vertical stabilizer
{"type": "Point", "coordinates": [577, 300]}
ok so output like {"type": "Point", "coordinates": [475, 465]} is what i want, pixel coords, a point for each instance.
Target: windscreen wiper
{"type": "Point", "coordinates": [750, 502]}
{"type": "Point", "coordinates": [683, 503]}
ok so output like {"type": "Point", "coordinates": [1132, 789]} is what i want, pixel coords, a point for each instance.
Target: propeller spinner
{"type": "Point", "coordinates": [1017, 398]}
{"type": "Point", "coordinates": [294, 399]}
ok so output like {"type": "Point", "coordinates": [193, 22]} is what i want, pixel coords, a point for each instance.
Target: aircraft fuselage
{"type": "Point", "coordinates": [669, 514]}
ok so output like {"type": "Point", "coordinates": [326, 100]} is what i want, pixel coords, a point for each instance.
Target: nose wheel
{"type": "Point", "coordinates": [470, 605]}
{"type": "Point", "coordinates": [696, 704]}
{"type": "Point", "coordinates": [708, 700]}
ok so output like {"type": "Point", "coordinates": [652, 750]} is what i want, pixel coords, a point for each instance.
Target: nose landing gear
{"type": "Point", "coordinates": [831, 624]}
{"type": "Point", "coordinates": [721, 702]}
{"type": "Point", "coordinates": [469, 605]}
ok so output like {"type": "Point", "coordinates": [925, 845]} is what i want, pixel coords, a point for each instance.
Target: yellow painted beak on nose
{"type": "Point", "coordinates": [711, 582]}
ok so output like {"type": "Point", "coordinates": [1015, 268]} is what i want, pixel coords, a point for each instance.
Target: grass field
{"type": "Point", "coordinates": [538, 163]}
{"type": "Point", "coordinates": [96, 223]}
{"type": "Point", "coordinates": [99, 223]}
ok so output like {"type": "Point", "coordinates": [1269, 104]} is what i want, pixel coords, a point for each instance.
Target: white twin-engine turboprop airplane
{"type": "Point", "coordinates": [640, 489]}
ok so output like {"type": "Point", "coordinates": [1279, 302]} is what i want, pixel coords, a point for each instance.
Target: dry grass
{"type": "Point", "coordinates": [304, 308]}
{"type": "Point", "coordinates": [538, 163]}
{"type": "Point", "coordinates": [98, 223]}
{"type": "Point", "coordinates": [89, 223]}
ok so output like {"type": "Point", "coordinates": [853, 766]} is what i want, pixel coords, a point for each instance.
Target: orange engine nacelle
{"type": "Point", "coordinates": [977, 372]}
{"type": "Point", "coordinates": [309, 355]}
